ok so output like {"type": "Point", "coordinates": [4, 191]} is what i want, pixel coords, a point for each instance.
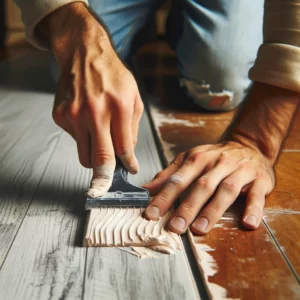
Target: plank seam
{"type": "Point", "coordinates": [33, 196]}
{"type": "Point", "coordinates": [282, 252]}
{"type": "Point", "coordinates": [84, 273]}
{"type": "Point", "coordinates": [195, 273]}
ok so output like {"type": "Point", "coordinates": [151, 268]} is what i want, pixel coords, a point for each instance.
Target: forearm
{"type": "Point", "coordinates": [33, 11]}
{"type": "Point", "coordinates": [73, 29]}
{"type": "Point", "coordinates": [264, 119]}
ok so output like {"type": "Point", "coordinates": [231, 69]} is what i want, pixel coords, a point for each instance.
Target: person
{"type": "Point", "coordinates": [216, 42]}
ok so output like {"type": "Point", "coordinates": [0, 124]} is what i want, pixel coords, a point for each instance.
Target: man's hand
{"type": "Point", "coordinates": [97, 100]}
{"type": "Point", "coordinates": [219, 171]}
{"type": "Point", "coordinates": [241, 163]}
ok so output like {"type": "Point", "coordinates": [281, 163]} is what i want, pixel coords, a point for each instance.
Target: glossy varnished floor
{"type": "Point", "coordinates": [261, 264]}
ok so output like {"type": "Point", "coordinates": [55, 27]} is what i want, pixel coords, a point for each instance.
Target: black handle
{"type": "Point", "coordinates": [120, 169]}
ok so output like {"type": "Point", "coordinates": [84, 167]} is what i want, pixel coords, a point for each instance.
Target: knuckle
{"type": "Point", "coordinates": [159, 175]}
{"type": "Point", "coordinates": [205, 184]}
{"type": "Point", "coordinates": [134, 142]}
{"type": "Point", "coordinates": [178, 159]}
{"type": "Point", "coordinates": [225, 159]}
{"type": "Point", "coordinates": [196, 157]}
{"type": "Point", "coordinates": [92, 108]}
{"type": "Point", "coordinates": [103, 157]}
{"type": "Point", "coordinates": [230, 186]}
{"type": "Point", "coordinates": [121, 104]}
{"type": "Point", "coordinates": [140, 108]}
{"type": "Point", "coordinates": [162, 199]}
{"type": "Point", "coordinates": [57, 116]}
{"type": "Point", "coordinates": [188, 208]}
{"type": "Point", "coordinates": [123, 150]}
{"type": "Point", "coordinates": [73, 112]}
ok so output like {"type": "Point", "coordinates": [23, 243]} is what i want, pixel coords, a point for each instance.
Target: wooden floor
{"type": "Point", "coordinates": [261, 264]}
{"type": "Point", "coordinates": [42, 203]}
{"type": "Point", "coordinates": [42, 206]}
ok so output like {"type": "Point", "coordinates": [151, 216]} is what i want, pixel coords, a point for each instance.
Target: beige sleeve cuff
{"type": "Point", "coordinates": [278, 59]}
{"type": "Point", "coordinates": [33, 11]}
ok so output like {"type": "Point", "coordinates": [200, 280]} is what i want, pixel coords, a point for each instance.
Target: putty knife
{"type": "Point", "coordinates": [121, 193]}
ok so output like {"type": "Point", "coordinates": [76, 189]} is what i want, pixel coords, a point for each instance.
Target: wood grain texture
{"type": "Point", "coordinates": [239, 263]}
{"type": "Point", "coordinates": [285, 228]}
{"type": "Point", "coordinates": [286, 196]}
{"type": "Point", "coordinates": [247, 264]}
{"type": "Point", "coordinates": [24, 117]}
{"type": "Point", "coordinates": [45, 260]}
{"type": "Point", "coordinates": [42, 207]}
{"type": "Point", "coordinates": [113, 274]}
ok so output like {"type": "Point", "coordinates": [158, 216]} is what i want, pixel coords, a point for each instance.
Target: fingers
{"type": "Point", "coordinates": [226, 194]}
{"type": "Point", "coordinates": [137, 114]}
{"type": "Point", "coordinates": [173, 188]}
{"type": "Point", "coordinates": [102, 159]}
{"type": "Point", "coordinates": [162, 177]}
{"type": "Point", "coordinates": [83, 139]}
{"type": "Point", "coordinates": [202, 190]}
{"type": "Point", "coordinates": [255, 203]}
{"type": "Point", "coordinates": [123, 140]}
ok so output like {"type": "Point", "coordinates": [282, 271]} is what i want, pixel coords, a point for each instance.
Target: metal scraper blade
{"type": "Point", "coordinates": [121, 193]}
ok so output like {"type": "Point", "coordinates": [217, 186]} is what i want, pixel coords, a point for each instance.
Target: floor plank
{"type": "Point", "coordinates": [286, 230]}
{"type": "Point", "coordinates": [245, 264]}
{"type": "Point", "coordinates": [238, 263]}
{"type": "Point", "coordinates": [286, 196]}
{"type": "Point", "coordinates": [23, 115]}
{"type": "Point", "coordinates": [46, 259]}
{"type": "Point", "coordinates": [237, 267]}
{"type": "Point", "coordinates": [113, 274]}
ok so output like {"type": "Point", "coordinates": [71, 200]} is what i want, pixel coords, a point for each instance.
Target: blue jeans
{"type": "Point", "coordinates": [216, 42]}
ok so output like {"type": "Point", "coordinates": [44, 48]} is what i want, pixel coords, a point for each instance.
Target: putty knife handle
{"type": "Point", "coordinates": [120, 169]}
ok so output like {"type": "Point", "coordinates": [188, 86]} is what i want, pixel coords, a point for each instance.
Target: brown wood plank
{"type": "Point", "coordinates": [286, 230]}
{"type": "Point", "coordinates": [242, 264]}
{"type": "Point", "coordinates": [235, 262]}
{"type": "Point", "coordinates": [286, 195]}
{"type": "Point", "coordinates": [238, 263]}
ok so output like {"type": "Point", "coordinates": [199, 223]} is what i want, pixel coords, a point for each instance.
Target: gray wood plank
{"type": "Point", "coordinates": [114, 274]}
{"type": "Point", "coordinates": [46, 259]}
{"type": "Point", "coordinates": [23, 159]}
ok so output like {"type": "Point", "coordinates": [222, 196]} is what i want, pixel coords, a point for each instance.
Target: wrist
{"type": "Point", "coordinates": [263, 120]}
{"type": "Point", "coordinates": [71, 27]}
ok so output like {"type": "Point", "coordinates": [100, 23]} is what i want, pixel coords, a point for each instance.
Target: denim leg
{"type": "Point", "coordinates": [216, 48]}
{"type": "Point", "coordinates": [123, 19]}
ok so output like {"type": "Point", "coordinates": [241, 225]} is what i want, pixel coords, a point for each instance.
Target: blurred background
{"type": "Point", "coordinates": [12, 37]}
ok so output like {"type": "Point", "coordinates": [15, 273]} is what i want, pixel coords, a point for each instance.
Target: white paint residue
{"type": "Point", "coordinates": [161, 118]}
{"type": "Point", "coordinates": [109, 227]}
{"type": "Point", "coordinates": [227, 218]}
{"type": "Point", "coordinates": [208, 268]}
{"type": "Point", "coordinates": [168, 150]}
{"type": "Point", "coordinates": [267, 238]}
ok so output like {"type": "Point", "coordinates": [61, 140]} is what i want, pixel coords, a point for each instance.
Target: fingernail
{"type": "Point", "coordinates": [153, 212]}
{"type": "Point", "coordinates": [201, 224]}
{"type": "Point", "coordinates": [95, 193]}
{"type": "Point", "coordinates": [178, 223]}
{"type": "Point", "coordinates": [251, 220]}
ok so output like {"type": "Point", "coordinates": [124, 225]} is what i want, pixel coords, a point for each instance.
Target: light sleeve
{"type": "Point", "coordinates": [33, 11]}
{"type": "Point", "coordinates": [278, 58]}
